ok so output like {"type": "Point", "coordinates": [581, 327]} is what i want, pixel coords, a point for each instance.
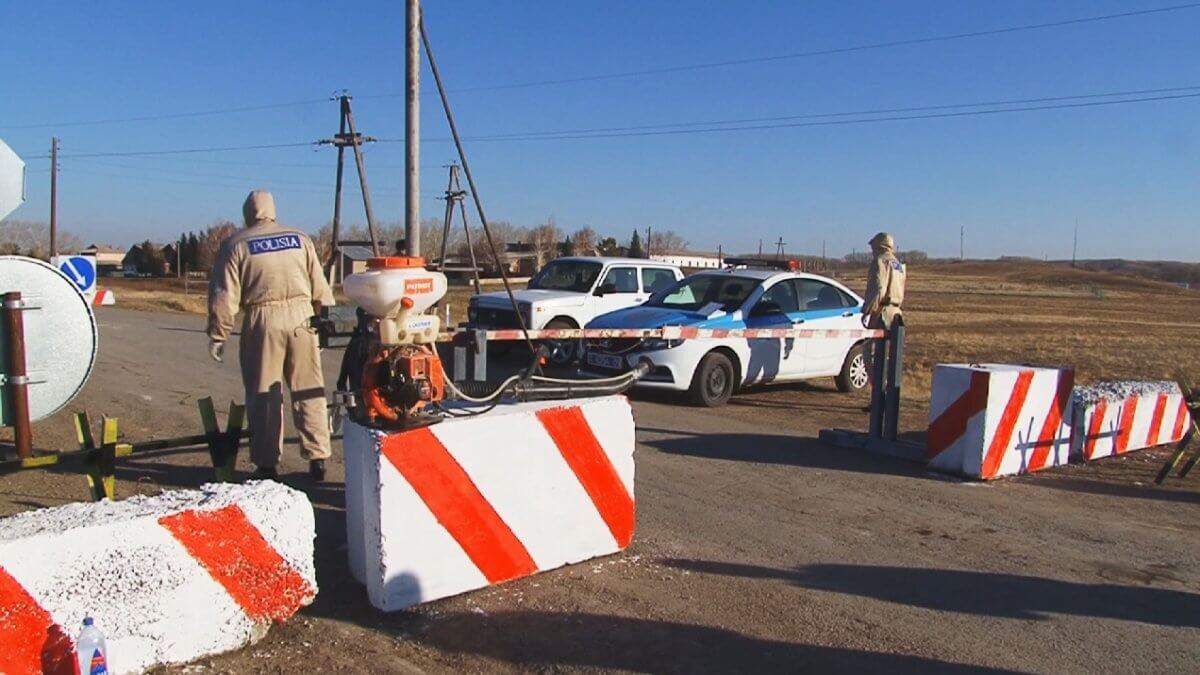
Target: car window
{"type": "Point", "coordinates": [703, 289]}
{"type": "Point", "coordinates": [567, 275]}
{"type": "Point", "coordinates": [781, 297]}
{"type": "Point", "coordinates": [621, 280]}
{"type": "Point", "coordinates": [655, 280]}
{"type": "Point", "coordinates": [815, 295]}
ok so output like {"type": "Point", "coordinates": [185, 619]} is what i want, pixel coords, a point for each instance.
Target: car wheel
{"type": "Point", "coordinates": [714, 381]}
{"type": "Point", "coordinates": [561, 352]}
{"type": "Point", "coordinates": [854, 375]}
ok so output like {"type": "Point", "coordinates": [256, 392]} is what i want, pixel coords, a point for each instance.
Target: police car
{"type": "Point", "coordinates": [711, 370]}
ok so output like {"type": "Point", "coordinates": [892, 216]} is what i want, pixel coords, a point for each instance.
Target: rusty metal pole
{"type": "Point", "coordinates": [53, 197]}
{"type": "Point", "coordinates": [18, 379]}
{"type": "Point", "coordinates": [412, 129]}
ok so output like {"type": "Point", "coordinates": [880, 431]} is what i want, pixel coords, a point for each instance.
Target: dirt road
{"type": "Point", "coordinates": [757, 549]}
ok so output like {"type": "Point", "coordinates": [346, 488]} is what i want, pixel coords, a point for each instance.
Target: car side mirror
{"type": "Point", "coordinates": [766, 309]}
{"type": "Point", "coordinates": [603, 289]}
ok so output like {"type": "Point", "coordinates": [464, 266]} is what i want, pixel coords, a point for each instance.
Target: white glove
{"type": "Point", "coordinates": [216, 350]}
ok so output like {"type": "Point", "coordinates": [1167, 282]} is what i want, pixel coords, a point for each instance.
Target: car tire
{"type": "Point", "coordinates": [714, 381]}
{"type": "Point", "coordinates": [561, 352]}
{"type": "Point", "coordinates": [854, 376]}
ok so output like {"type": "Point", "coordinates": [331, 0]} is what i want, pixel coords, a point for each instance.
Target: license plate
{"type": "Point", "coordinates": [604, 361]}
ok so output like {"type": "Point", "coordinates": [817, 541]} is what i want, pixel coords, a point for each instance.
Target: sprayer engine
{"type": "Point", "coordinates": [399, 373]}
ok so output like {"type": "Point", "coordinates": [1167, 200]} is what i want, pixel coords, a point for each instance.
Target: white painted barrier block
{"type": "Point", "coordinates": [992, 420]}
{"type": "Point", "coordinates": [471, 502]}
{"type": "Point", "coordinates": [168, 579]}
{"type": "Point", "coordinates": [1113, 418]}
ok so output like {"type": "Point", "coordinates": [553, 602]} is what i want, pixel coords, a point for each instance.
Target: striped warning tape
{"type": "Point", "coordinates": [667, 333]}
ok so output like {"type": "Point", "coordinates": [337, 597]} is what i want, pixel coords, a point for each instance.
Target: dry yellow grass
{"type": "Point", "coordinates": [1106, 326]}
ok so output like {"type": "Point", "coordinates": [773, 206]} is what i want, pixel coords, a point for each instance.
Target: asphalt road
{"type": "Point", "coordinates": [757, 548]}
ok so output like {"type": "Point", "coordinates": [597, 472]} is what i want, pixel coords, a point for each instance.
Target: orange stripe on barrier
{"type": "Point", "coordinates": [1160, 409]}
{"type": "Point", "coordinates": [952, 423]}
{"type": "Point", "coordinates": [30, 641]}
{"type": "Point", "coordinates": [1181, 420]}
{"type": "Point", "coordinates": [1093, 430]}
{"type": "Point", "coordinates": [1125, 426]}
{"type": "Point", "coordinates": [458, 505]}
{"type": "Point", "coordinates": [577, 443]}
{"type": "Point", "coordinates": [1007, 425]}
{"type": "Point", "coordinates": [1049, 434]}
{"type": "Point", "coordinates": [234, 552]}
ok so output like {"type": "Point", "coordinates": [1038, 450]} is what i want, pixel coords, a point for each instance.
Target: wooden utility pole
{"type": "Point", "coordinates": [412, 130]}
{"type": "Point", "coordinates": [961, 231]}
{"type": "Point", "coordinates": [649, 248]}
{"type": "Point", "coordinates": [348, 136]}
{"type": "Point", "coordinates": [53, 197]}
{"type": "Point", "coordinates": [779, 248]}
{"type": "Point", "coordinates": [456, 195]}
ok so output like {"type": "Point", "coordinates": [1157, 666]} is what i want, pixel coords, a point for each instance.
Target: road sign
{"type": "Point", "coordinates": [12, 180]}
{"type": "Point", "coordinates": [80, 269]}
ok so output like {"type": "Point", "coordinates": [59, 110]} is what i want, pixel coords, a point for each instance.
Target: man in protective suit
{"type": "Point", "coordinates": [885, 284]}
{"type": "Point", "coordinates": [271, 273]}
{"type": "Point", "coordinates": [885, 293]}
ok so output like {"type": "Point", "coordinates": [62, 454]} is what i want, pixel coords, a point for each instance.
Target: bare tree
{"type": "Point", "coordinates": [544, 239]}
{"type": "Point", "coordinates": [210, 243]}
{"type": "Point", "coordinates": [32, 238]}
{"type": "Point", "coordinates": [585, 241]}
{"type": "Point", "coordinates": [503, 232]}
{"type": "Point", "coordinates": [664, 242]}
{"type": "Point", "coordinates": [916, 255]}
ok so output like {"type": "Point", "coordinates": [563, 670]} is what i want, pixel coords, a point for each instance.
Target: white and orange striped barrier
{"type": "Point", "coordinates": [670, 333]}
{"type": "Point", "coordinates": [471, 502]}
{"type": "Point", "coordinates": [1119, 417]}
{"type": "Point", "coordinates": [103, 296]}
{"type": "Point", "coordinates": [168, 579]}
{"type": "Point", "coordinates": [987, 421]}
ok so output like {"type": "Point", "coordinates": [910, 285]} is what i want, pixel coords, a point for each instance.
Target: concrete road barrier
{"type": "Point", "coordinates": [1112, 418]}
{"type": "Point", "coordinates": [168, 579]}
{"type": "Point", "coordinates": [992, 420]}
{"type": "Point", "coordinates": [103, 296]}
{"type": "Point", "coordinates": [476, 501]}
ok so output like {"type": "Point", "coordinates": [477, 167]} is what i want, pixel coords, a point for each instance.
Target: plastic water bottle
{"type": "Point", "coordinates": [91, 650]}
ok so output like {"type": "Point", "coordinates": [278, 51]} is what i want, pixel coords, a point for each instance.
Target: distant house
{"type": "Point", "coordinates": [690, 260]}
{"type": "Point", "coordinates": [170, 254]}
{"type": "Point", "coordinates": [352, 257]}
{"type": "Point", "coordinates": [139, 262]}
{"type": "Point", "coordinates": [109, 259]}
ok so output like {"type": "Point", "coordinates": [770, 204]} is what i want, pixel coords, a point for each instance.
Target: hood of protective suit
{"type": "Point", "coordinates": [259, 206]}
{"type": "Point", "coordinates": [883, 242]}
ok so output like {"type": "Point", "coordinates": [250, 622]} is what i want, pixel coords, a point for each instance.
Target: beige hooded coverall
{"type": "Point", "coordinates": [885, 285]}
{"type": "Point", "coordinates": [272, 274]}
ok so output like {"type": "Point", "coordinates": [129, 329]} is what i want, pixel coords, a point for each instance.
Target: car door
{"type": "Point", "coordinates": [618, 288]}
{"type": "Point", "coordinates": [775, 358]}
{"type": "Point", "coordinates": [825, 307]}
{"type": "Point", "coordinates": [655, 279]}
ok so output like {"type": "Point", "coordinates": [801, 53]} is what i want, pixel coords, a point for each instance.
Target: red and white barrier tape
{"type": "Point", "coordinates": [672, 333]}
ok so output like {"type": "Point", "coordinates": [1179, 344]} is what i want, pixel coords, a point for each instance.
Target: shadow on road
{"type": "Point", "coordinates": [779, 449]}
{"type": "Point", "coordinates": [1118, 489]}
{"type": "Point", "coordinates": [999, 595]}
{"type": "Point", "coordinates": [553, 640]}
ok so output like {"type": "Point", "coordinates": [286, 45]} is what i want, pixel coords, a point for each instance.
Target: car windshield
{"type": "Point", "coordinates": [567, 275]}
{"type": "Point", "coordinates": [695, 293]}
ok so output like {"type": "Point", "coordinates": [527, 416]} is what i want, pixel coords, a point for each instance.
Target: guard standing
{"type": "Point", "coordinates": [885, 284]}
{"type": "Point", "coordinates": [273, 275]}
{"type": "Point", "coordinates": [885, 293]}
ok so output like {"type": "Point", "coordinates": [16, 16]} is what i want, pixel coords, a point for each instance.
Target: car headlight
{"type": "Point", "coordinates": [657, 344]}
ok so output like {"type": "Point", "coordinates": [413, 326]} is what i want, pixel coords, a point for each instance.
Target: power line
{"type": "Point", "coordinates": [185, 151]}
{"type": "Point", "coordinates": [543, 136]}
{"type": "Point", "coordinates": [834, 50]}
{"type": "Point", "coordinates": [876, 111]}
{"type": "Point", "coordinates": [165, 116]}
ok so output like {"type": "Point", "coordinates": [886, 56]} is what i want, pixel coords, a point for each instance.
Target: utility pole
{"type": "Point", "coordinates": [760, 248]}
{"type": "Point", "coordinates": [456, 195]}
{"type": "Point", "coordinates": [412, 130]}
{"type": "Point", "coordinates": [349, 136]}
{"type": "Point", "coordinates": [649, 250]}
{"type": "Point", "coordinates": [961, 231]}
{"type": "Point", "coordinates": [53, 197]}
{"type": "Point", "coordinates": [779, 249]}
{"type": "Point", "coordinates": [1075, 241]}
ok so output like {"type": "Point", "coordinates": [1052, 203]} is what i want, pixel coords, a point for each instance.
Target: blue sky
{"type": "Point", "coordinates": [1015, 182]}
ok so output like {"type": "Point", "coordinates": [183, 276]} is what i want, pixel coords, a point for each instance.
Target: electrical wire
{"type": "Point", "coordinates": [835, 50]}
{"type": "Point", "coordinates": [165, 116]}
{"type": "Point", "coordinates": [185, 151]}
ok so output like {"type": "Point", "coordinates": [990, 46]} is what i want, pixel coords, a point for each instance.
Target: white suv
{"type": "Point", "coordinates": [570, 292]}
